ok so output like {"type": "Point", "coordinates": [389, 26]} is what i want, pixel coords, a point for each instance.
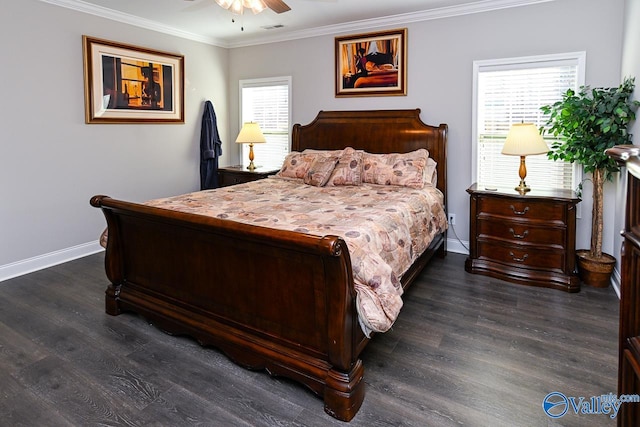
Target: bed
{"type": "Point", "coordinates": [279, 300]}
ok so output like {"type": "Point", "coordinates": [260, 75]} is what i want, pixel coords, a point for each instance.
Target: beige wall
{"type": "Point", "coordinates": [51, 162]}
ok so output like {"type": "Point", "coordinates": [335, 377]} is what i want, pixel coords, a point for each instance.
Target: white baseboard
{"type": "Point", "coordinates": [19, 268]}
{"type": "Point", "coordinates": [615, 281]}
{"type": "Point", "coordinates": [454, 245]}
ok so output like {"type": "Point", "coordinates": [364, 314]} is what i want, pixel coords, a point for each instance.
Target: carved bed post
{"type": "Point", "coordinates": [344, 392]}
{"type": "Point", "coordinates": [112, 260]}
{"type": "Point", "coordinates": [344, 385]}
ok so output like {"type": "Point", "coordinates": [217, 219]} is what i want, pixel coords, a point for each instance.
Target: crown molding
{"type": "Point", "coordinates": [125, 18]}
{"type": "Point", "coordinates": [355, 26]}
{"type": "Point", "coordinates": [392, 20]}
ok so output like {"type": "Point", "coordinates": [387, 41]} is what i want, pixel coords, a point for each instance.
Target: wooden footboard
{"type": "Point", "coordinates": [274, 300]}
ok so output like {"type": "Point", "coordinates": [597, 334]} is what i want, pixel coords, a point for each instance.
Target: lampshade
{"type": "Point", "coordinates": [250, 134]}
{"type": "Point", "coordinates": [524, 139]}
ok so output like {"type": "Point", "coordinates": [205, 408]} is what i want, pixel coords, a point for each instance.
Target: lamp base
{"type": "Point", "coordinates": [522, 188]}
{"type": "Point", "coordinates": [251, 166]}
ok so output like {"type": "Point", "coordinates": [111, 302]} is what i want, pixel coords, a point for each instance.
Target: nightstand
{"type": "Point", "coordinates": [524, 238]}
{"type": "Point", "coordinates": [231, 175]}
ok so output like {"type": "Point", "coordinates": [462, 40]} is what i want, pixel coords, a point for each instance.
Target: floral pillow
{"type": "Point", "coordinates": [348, 171]}
{"type": "Point", "coordinates": [296, 165]}
{"type": "Point", "coordinates": [403, 169]}
{"type": "Point", "coordinates": [320, 170]}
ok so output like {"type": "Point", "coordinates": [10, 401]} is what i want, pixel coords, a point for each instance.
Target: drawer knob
{"type": "Point", "coordinates": [515, 258]}
{"type": "Point", "coordinates": [522, 212]}
{"type": "Point", "coordinates": [519, 236]}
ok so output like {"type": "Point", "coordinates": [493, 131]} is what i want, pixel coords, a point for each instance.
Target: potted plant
{"type": "Point", "coordinates": [587, 123]}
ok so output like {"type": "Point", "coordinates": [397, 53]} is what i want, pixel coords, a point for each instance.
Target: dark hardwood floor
{"type": "Point", "coordinates": [466, 350]}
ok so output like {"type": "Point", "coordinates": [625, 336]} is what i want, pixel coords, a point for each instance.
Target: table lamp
{"type": "Point", "coordinates": [523, 140]}
{"type": "Point", "coordinates": [250, 134]}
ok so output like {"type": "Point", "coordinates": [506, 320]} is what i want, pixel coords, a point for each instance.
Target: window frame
{"type": "Point", "coordinates": [262, 82]}
{"type": "Point", "coordinates": [522, 62]}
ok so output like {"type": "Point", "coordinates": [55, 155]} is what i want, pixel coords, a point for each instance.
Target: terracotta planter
{"type": "Point", "coordinates": [592, 272]}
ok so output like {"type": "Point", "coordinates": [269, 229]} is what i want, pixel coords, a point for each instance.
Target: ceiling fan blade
{"type": "Point", "coordinates": [278, 6]}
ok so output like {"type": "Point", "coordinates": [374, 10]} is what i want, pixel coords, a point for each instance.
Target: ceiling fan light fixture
{"type": "Point", "coordinates": [256, 6]}
{"type": "Point", "coordinates": [226, 4]}
{"type": "Point", "coordinates": [238, 6]}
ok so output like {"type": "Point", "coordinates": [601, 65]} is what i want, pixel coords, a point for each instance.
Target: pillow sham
{"type": "Point", "coordinates": [348, 171]}
{"type": "Point", "coordinates": [296, 165]}
{"type": "Point", "coordinates": [320, 171]}
{"type": "Point", "coordinates": [402, 169]}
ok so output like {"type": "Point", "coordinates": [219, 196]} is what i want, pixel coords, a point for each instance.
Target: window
{"type": "Point", "coordinates": [509, 91]}
{"type": "Point", "coordinates": [267, 102]}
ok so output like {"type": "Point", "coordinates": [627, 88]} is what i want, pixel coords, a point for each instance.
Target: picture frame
{"type": "Point", "coordinates": [131, 84]}
{"type": "Point", "coordinates": [371, 64]}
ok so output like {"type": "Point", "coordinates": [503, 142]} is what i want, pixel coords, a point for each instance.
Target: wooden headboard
{"type": "Point", "coordinates": [375, 131]}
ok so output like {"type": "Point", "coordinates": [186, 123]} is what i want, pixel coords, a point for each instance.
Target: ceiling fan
{"type": "Point", "coordinates": [256, 6]}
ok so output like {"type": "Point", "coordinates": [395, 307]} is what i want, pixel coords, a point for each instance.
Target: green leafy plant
{"type": "Point", "coordinates": [586, 123]}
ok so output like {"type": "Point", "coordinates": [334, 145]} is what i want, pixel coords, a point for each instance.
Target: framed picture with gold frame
{"type": "Point", "coordinates": [372, 64]}
{"type": "Point", "coordinates": [131, 84]}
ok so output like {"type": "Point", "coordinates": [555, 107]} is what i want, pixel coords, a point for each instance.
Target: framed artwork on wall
{"type": "Point", "coordinates": [131, 84]}
{"type": "Point", "coordinates": [372, 64]}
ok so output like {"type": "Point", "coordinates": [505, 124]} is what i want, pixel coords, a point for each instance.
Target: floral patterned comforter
{"type": "Point", "coordinates": [386, 227]}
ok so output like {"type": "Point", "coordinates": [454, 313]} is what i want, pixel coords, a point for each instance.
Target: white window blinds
{"type": "Point", "coordinates": [267, 102]}
{"type": "Point", "coordinates": [512, 91]}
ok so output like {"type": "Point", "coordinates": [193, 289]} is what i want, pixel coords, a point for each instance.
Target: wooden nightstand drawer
{"type": "Point", "coordinates": [522, 210]}
{"type": "Point", "coordinates": [232, 175]}
{"type": "Point", "coordinates": [524, 238]}
{"type": "Point", "coordinates": [521, 232]}
{"type": "Point", "coordinates": [232, 178]}
{"type": "Point", "coordinates": [523, 256]}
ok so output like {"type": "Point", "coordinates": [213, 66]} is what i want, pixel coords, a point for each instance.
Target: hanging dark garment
{"type": "Point", "coordinates": [210, 148]}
